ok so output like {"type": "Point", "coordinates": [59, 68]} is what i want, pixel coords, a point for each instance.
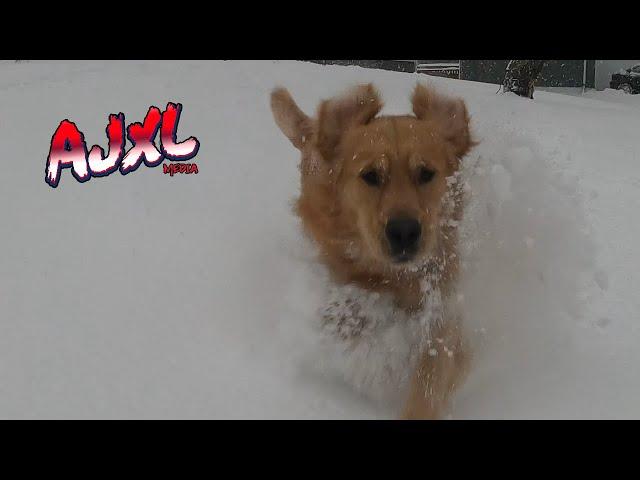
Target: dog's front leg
{"type": "Point", "coordinates": [442, 367]}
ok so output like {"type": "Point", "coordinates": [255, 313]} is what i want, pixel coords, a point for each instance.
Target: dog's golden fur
{"type": "Point", "coordinates": [346, 216]}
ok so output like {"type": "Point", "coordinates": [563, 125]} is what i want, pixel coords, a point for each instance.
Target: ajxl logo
{"type": "Point", "coordinates": [69, 150]}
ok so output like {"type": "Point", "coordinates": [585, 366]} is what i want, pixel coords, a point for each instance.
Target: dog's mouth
{"type": "Point", "coordinates": [403, 257]}
{"type": "Point", "coordinates": [407, 258]}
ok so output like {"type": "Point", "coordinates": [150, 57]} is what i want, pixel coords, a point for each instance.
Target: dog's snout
{"type": "Point", "coordinates": [403, 234]}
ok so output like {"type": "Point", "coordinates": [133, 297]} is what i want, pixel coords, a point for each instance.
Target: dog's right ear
{"type": "Point", "coordinates": [291, 120]}
{"type": "Point", "coordinates": [357, 106]}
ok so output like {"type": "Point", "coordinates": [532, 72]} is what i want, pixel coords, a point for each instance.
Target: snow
{"type": "Point", "coordinates": [616, 96]}
{"type": "Point", "coordinates": [368, 343]}
{"type": "Point", "coordinates": [195, 296]}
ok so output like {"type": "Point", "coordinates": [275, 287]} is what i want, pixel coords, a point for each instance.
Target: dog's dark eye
{"type": "Point", "coordinates": [371, 177]}
{"type": "Point", "coordinates": [425, 175]}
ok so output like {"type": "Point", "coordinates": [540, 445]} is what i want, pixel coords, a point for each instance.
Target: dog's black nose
{"type": "Point", "coordinates": [403, 234]}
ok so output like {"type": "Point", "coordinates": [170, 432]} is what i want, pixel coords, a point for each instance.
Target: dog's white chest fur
{"type": "Point", "coordinates": [370, 343]}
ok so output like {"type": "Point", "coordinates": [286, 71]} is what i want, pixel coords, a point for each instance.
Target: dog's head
{"type": "Point", "coordinates": [373, 188]}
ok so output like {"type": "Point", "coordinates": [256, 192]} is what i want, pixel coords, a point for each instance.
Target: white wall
{"type": "Point", "coordinates": [604, 69]}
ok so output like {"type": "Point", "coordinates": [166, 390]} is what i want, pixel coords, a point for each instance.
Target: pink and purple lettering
{"type": "Point", "coordinates": [141, 137]}
{"type": "Point", "coordinates": [101, 165]}
{"type": "Point", "coordinates": [68, 149]}
{"type": "Point", "coordinates": [168, 136]}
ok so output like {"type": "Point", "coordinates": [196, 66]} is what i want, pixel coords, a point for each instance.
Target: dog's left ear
{"type": "Point", "coordinates": [450, 113]}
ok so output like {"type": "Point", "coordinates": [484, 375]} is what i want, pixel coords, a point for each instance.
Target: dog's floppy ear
{"type": "Point", "coordinates": [450, 113]}
{"type": "Point", "coordinates": [288, 116]}
{"type": "Point", "coordinates": [357, 106]}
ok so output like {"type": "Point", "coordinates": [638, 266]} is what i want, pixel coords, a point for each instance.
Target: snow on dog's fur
{"type": "Point", "coordinates": [380, 198]}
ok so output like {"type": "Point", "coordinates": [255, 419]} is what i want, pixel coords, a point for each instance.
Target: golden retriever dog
{"type": "Point", "coordinates": [381, 200]}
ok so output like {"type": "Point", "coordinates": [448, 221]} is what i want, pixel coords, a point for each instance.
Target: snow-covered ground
{"type": "Point", "coordinates": [145, 296]}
